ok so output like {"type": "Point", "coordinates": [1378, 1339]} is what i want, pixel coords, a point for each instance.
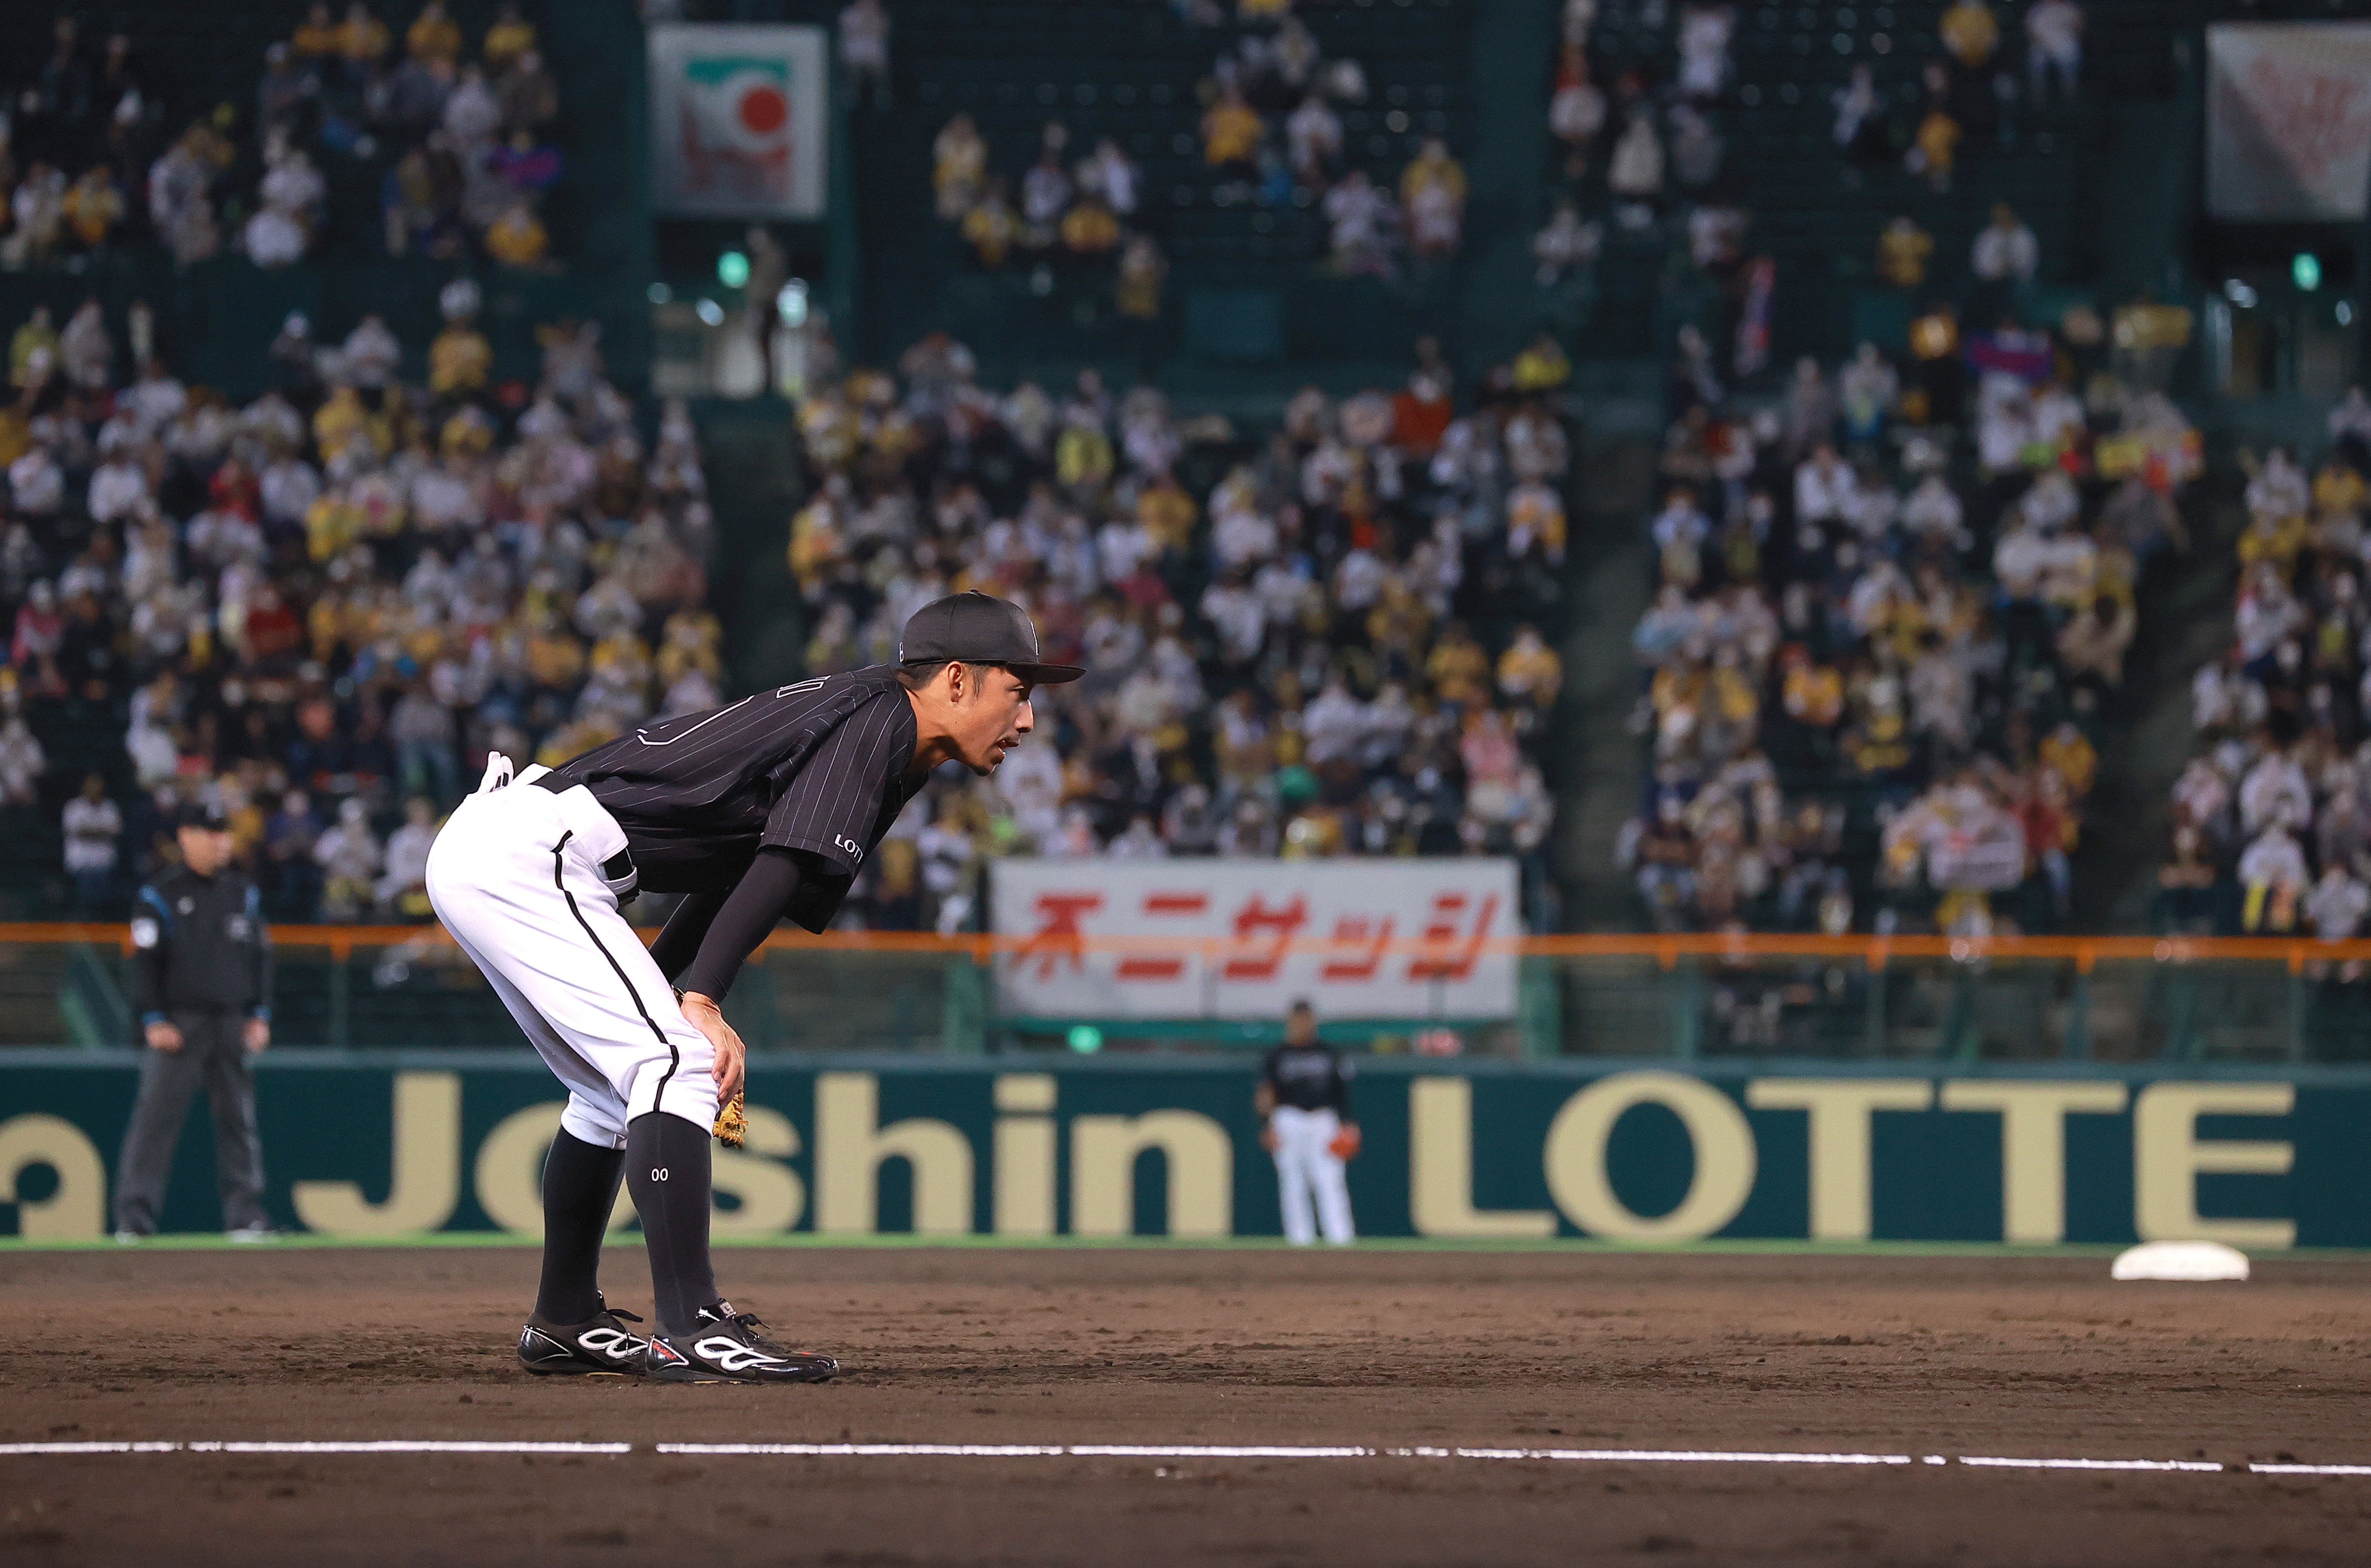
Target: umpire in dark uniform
{"type": "Point", "coordinates": [204, 957]}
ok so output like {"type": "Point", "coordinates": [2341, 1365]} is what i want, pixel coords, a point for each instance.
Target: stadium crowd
{"type": "Point", "coordinates": [318, 607]}
{"type": "Point", "coordinates": [95, 156]}
{"type": "Point", "coordinates": [1918, 639]}
{"type": "Point", "coordinates": [1894, 595]}
{"type": "Point", "coordinates": [1290, 662]}
{"type": "Point", "coordinates": [2272, 818]}
{"type": "Point", "coordinates": [1270, 132]}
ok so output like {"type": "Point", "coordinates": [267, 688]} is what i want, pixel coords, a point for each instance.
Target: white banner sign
{"type": "Point", "coordinates": [1359, 938]}
{"type": "Point", "coordinates": [2288, 119]}
{"type": "Point", "coordinates": [739, 119]}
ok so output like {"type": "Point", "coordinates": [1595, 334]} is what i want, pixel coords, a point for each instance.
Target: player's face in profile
{"type": "Point", "coordinates": [991, 718]}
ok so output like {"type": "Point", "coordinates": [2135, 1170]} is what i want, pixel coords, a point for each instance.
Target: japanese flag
{"type": "Point", "coordinates": [747, 110]}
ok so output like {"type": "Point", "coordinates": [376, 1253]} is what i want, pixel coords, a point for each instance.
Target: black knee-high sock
{"type": "Point", "coordinates": [580, 1186]}
{"type": "Point", "coordinates": [667, 1169]}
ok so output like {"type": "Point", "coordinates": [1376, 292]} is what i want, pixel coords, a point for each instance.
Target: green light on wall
{"type": "Point", "coordinates": [2304, 270]}
{"type": "Point", "coordinates": [733, 269]}
{"type": "Point", "coordinates": [1086, 1039]}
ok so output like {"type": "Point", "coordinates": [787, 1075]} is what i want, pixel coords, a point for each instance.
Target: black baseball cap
{"type": "Point", "coordinates": [201, 813]}
{"type": "Point", "coordinates": [979, 628]}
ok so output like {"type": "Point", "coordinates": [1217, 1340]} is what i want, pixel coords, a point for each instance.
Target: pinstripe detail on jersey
{"type": "Point", "coordinates": [643, 735]}
{"type": "Point", "coordinates": [831, 807]}
{"type": "Point", "coordinates": [674, 1055]}
{"type": "Point", "coordinates": [818, 766]}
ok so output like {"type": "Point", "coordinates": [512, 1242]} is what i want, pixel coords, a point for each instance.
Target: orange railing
{"type": "Point", "coordinates": [2293, 952]}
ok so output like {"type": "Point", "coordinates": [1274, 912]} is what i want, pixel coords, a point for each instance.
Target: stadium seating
{"type": "Point", "coordinates": [1874, 719]}
{"type": "Point", "coordinates": [1139, 74]}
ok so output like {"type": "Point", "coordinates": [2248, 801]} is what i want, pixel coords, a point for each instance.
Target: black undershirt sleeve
{"type": "Point", "coordinates": [736, 927]}
{"type": "Point", "coordinates": [680, 938]}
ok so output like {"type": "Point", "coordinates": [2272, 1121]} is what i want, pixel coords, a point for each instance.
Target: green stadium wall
{"type": "Point", "coordinates": [387, 1146]}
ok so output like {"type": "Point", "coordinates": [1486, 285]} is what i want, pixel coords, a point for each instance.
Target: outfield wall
{"type": "Point", "coordinates": [384, 1144]}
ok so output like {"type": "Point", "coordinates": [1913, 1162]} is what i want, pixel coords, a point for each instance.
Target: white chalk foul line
{"type": "Point", "coordinates": [1211, 1451]}
{"type": "Point", "coordinates": [1997, 1463]}
{"type": "Point", "coordinates": [1162, 1451]}
{"type": "Point", "coordinates": [389, 1446]}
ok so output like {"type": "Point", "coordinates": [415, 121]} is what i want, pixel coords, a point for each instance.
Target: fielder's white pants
{"type": "Point", "coordinates": [1307, 1167]}
{"type": "Point", "coordinates": [515, 876]}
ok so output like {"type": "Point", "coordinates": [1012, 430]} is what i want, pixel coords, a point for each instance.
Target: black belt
{"type": "Point", "coordinates": [617, 871]}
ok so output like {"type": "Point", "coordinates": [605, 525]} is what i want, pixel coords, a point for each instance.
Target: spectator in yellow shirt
{"type": "Point", "coordinates": [36, 339]}
{"type": "Point", "coordinates": [1813, 695]}
{"type": "Point", "coordinates": [459, 361]}
{"type": "Point", "coordinates": [1089, 228]}
{"type": "Point", "coordinates": [434, 39]}
{"type": "Point", "coordinates": [363, 40]}
{"type": "Point", "coordinates": [317, 36]}
{"type": "Point", "coordinates": [1971, 32]}
{"type": "Point", "coordinates": [1458, 668]}
{"type": "Point", "coordinates": [1901, 253]}
{"type": "Point", "coordinates": [516, 238]}
{"type": "Point", "coordinates": [814, 542]}
{"type": "Point", "coordinates": [468, 434]}
{"type": "Point", "coordinates": [959, 166]}
{"type": "Point", "coordinates": [1142, 270]}
{"type": "Point", "coordinates": [2273, 538]}
{"type": "Point", "coordinates": [555, 658]}
{"type": "Point", "coordinates": [991, 226]}
{"type": "Point", "coordinates": [1164, 510]}
{"type": "Point", "coordinates": [340, 420]}
{"type": "Point", "coordinates": [2071, 752]}
{"type": "Point", "coordinates": [1937, 147]}
{"type": "Point", "coordinates": [1082, 456]}
{"type": "Point", "coordinates": [330, 524]}
{"type": "Point", "coordinates": [511, 36]}
{"type": "Point", "coordinates": [1432, 167]}
{"type": "Point", "coordinates": [1542, 366]}
{"type": "Point", "coordinates": [1231, 132]}
{"type": "Point", "coordinates": [1529, 670]}
{"type": "Point", "coordinates": [1432, 195]}
{"type": "Point", "coordinates": [1535, 516]}
{"type": "Point", "coordinates": [93, 206]}
{"type": "Point", "coordinates": [2338, 489]}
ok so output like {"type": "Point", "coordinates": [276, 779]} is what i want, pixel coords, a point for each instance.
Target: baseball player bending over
{"type": "Point", "coordinates": [759, 810]}
{"type": "Point", "coordinates": [1304, 1092]}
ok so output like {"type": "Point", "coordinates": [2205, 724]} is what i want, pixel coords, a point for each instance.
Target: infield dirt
{"type": "Point", "coordinates": [2020, 1356]}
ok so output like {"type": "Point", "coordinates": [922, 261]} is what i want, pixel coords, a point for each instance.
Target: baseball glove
{"type": "Point", "coordinates": [1345, 1144]}
{"type": "Point", "coordinates": [732, 1125]}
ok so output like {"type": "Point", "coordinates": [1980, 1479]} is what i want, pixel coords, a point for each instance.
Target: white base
{"type": "Point", "coordinates": [2180, 1260]}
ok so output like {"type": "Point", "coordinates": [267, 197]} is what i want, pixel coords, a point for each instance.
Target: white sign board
{"type": "Point", "coordinates": [1359, 938]}
{"type": "Point", "coordinates": [739, 119]}
{"type": "Point", "coordinates": [2288, 119]}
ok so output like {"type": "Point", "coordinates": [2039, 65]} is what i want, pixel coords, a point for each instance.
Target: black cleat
{"type": "Point", "coordinates": [597, 1348]}
{"type": "Point", "coordinates": [728, 1348]}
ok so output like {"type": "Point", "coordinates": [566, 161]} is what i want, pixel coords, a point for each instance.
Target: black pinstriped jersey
{"type": "Point", "coordinates": [1314, 1077]}
{"type": "Point", "coordinates": [823, 766]}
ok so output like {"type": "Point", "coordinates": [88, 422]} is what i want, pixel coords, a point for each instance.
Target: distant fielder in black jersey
{"type": "Point", "coordinates": [762, 809]}
{"type": "Point", "coordinates": [1304, 1097]}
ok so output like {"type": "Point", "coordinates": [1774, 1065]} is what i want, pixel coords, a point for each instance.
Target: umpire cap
{"type": "Point", "coordinates": [979, 628]}
{"type": "Point", "coordinates": [205, 815]}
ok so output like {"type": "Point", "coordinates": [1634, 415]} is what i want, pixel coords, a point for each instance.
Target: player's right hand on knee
{"type": "Point", "coordinates": [163, 1036]}
{"type": "Point", "coordinates": [731, 1057]}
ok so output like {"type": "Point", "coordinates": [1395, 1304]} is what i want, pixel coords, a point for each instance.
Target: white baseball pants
{"type": "Point", "coordinates": [1305, 1167]}
{"type": "Point", "coordinates": [515, 876]}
